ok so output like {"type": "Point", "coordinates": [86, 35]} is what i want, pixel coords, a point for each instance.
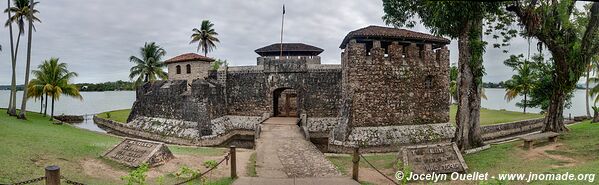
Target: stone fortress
{"type": "Point", "coordinates": [391, 90]}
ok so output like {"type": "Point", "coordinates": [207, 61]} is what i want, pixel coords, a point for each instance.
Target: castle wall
{"type": "Point", "coordinates": [392, 96]}
{"type": "Point", "coordinates": [172, 100]}
{"type": "Point", "coordinates": [396, 89]}
{"type": "Point", "coordinates": [246, 92]}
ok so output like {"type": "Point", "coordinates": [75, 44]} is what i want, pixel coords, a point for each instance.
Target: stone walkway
{"type": "Point", "coordinates": [283, 156]}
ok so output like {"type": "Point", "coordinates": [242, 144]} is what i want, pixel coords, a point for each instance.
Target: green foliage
{"type": "Point", "coordinates": [52, 77]}
{"type": "Point", "coordinates": [137, 176]}
{"type": "Point", "coordinates": [206, 37]}
{"type": "Point", "coordinates": [218, 63]}
{"type": "Point", "coordinates": [107, 115]}
{"type": "Point", "coordinates": [187, 172]}
{"type": "Point", "coordinates": [453, 83]}
{"type": "Point", "coordinates": [22, 12]}
{"type": "Point", "coordinates": [148, 68]}
{"type": "Point", "coordinates": [210, 164]}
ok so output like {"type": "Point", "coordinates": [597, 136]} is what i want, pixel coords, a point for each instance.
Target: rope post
{"type": "Point", "coordinates": [52, 175]}
{"type": "Point", "coordinates": [356, 164]}
{"type": "Point", "coordinates": [233, 162]}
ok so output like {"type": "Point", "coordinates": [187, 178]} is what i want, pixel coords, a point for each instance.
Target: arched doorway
{"type": "Point", "coordinates": [285, 102]}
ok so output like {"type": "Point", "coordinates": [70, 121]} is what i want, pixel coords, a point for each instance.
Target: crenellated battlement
{"type": "Point", "coordinates": [397, 54]}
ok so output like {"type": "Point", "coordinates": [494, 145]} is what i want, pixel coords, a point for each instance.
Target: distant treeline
{"type": "Point", "coordinates": [493, 85]}
{"type": "Point", "coordinates": [7, 87]}
{"type": "Point", "coordinates": [502, 85]}
{"type": "Point", "coordinates": [107, 86]}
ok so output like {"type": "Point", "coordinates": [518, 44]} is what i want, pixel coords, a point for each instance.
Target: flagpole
{"type": "Point", "coordinates": [282, 21]}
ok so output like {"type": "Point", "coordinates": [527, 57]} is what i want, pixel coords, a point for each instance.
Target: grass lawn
{"type": "Point", "coordinates": [27, 146]}
{"type": "Point", "coordinates": [490, 117]}
{"type": "Point", "coordinates": [576, 152]}
{"type": "Point", "coordinates": [116, 115]}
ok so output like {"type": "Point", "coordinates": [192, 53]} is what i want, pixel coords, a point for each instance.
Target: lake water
{"type": "Point", "coordinates": [97, 102]}
{"type": "Point", "coordinates": [92, 103]}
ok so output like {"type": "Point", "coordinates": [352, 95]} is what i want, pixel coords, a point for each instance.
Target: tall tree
{"type": "Point", "coordinates": [522, 82]}
{"type": "Point", "coordinates": [30, 12]}
{"type": "Point", "coordinates": [148, 68]}
{"type": "Point", "coordinates": [554, 23]}
{"type": "Point", "coordinates": [205, 37]}
{"type": "Point", "coordinates": [464, 21]}
{"type": "Point", "coordinates": [13, 83]}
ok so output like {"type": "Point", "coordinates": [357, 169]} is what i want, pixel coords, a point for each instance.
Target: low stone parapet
{"type": "Point", "coordinates": [182, 132]}
{"type": "Point", "coordinates": [392, 138]}
{"type": "Point", "coordinates": [492, 132]}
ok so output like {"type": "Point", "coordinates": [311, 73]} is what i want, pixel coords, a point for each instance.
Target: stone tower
{"type": "Point", "coordinates": [394, 90]}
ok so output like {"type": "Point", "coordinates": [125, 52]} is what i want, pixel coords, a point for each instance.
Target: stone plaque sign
{"type": "Point", "coordinates": [134, 152]}
{"type": "Point", "coordinates": [438, 158]}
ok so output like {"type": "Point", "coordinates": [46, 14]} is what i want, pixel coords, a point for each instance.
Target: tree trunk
{"type": "Point", "coordinates": [587, 91]}
{"type": "Point", "coordinates": [13, 83]}
{"type": "Point", "coordinates": [525, 103]}
{"type": "Point", "coordinates": [46, 105]}
{"type": "Point", "coordinates": [554, 120]}
{"type": "Point", "coordinates": [467, 133]}
{"type": "Point", "coordinates": [13, 109]}
{"type": "Point", "coordinates": [464, 77]}
{"type": "Point", "coordinates": [52, 111]}
{"type": "Point", "coordinates": [42, 104]}
{"type": "Point", "coordinates": [22, 114]}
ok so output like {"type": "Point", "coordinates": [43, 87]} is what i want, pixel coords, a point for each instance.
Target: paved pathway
{"type": "Point", "coordinates": [283, 156]}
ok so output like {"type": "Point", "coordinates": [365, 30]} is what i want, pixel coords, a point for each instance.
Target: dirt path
{"type": "Point", "coordinates": [283, 152]}
{"type": "Point", "coordinates": [541, 152]}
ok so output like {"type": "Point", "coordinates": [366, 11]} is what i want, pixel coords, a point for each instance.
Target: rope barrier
{"type": "Point", "coordinates": [70, 181]}
{"type": "Point", "coordinates": [204, 173]}
{"type": "Point", "coordinates": [377, 170]}
{"type": "Point", "coordinates": [28, 181]}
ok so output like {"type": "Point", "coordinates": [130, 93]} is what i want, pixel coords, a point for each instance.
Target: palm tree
{"type": "Point", "coordinates": [205, 37]}
{"type": "Point", "coordinates": [53, 79]}
{"type": "Point", "coordinates": [13, 86]}
{"type": "Point", "coordinates": [520, 84]}
{"type": "Point", "coordinates": [592, 67]}
{"type": "Point", "coordinates": [148, 68]}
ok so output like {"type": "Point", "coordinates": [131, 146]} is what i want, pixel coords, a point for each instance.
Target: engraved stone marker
{"type": "Point", "coordinates": [438, 158]}
{"type": "Point", "coordinates": [134, 152]}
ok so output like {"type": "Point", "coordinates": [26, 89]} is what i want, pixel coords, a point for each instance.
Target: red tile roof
{"type": "Point", "coordinates": [289, 48]}
{"type": "Point", "coordinates": [375, 32]}
{"type": "Point", "coordinates": [189, 57]}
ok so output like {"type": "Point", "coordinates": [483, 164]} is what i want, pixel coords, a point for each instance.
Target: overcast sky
{"type": "Point", "coordinates": [97, 37]}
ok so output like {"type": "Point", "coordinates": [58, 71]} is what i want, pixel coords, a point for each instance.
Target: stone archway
{"type": "Point", "coordinates": [285, 102]}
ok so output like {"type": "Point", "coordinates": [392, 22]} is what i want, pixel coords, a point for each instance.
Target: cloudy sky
{"type": "Point", "coordinates": [96, 37]}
